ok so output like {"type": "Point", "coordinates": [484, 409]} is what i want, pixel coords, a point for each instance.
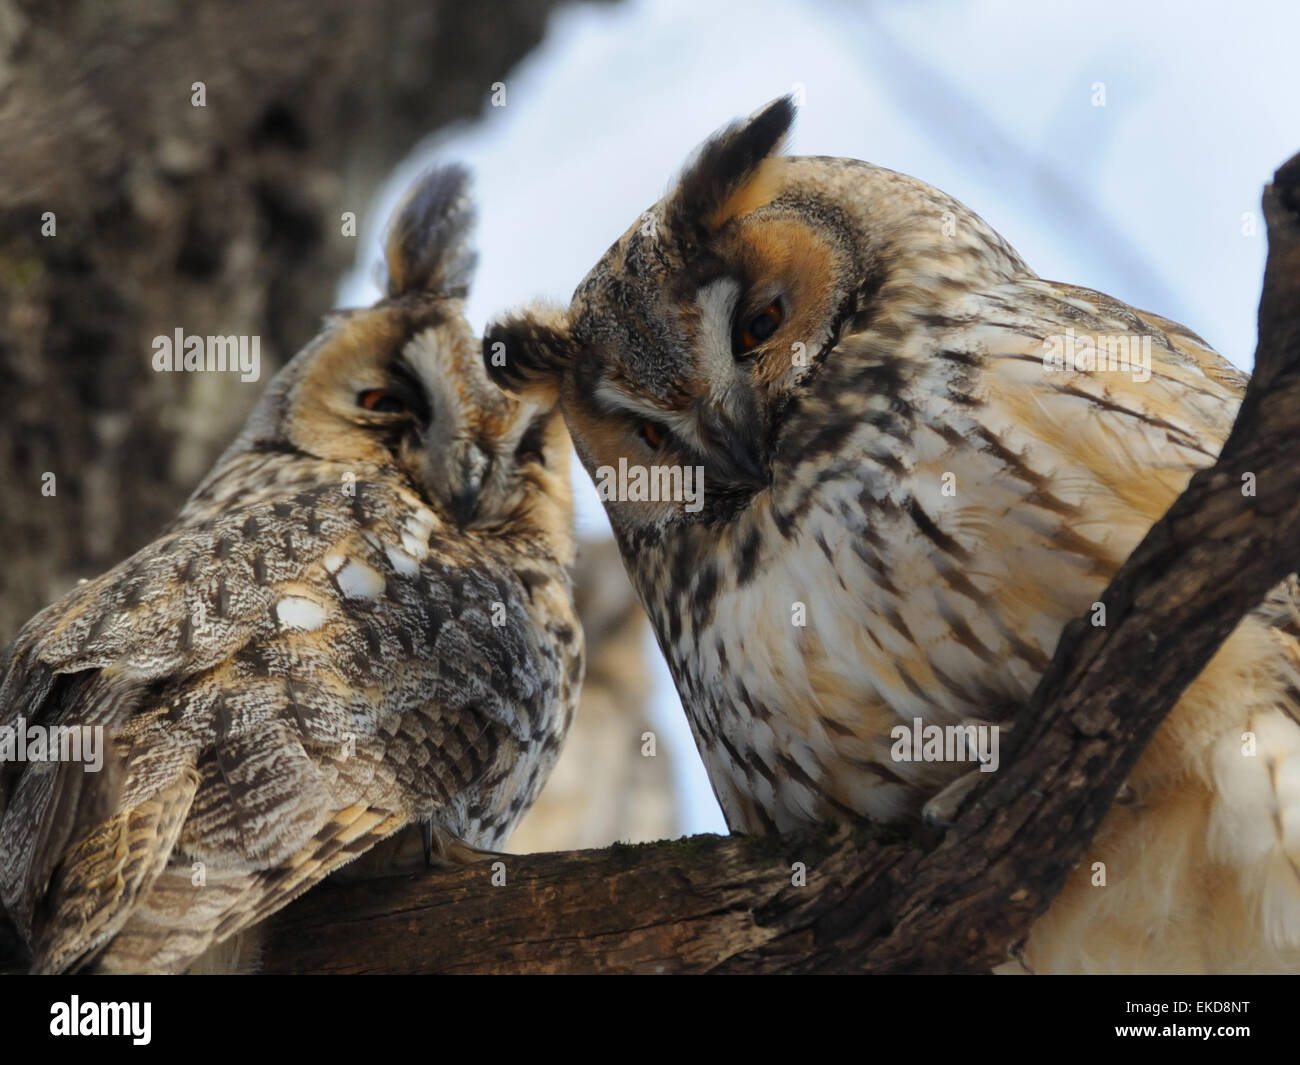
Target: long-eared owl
{"type": "Point", "coordinates": [360, 621]}
{"type": "Point", "coordinates": [919, 462]}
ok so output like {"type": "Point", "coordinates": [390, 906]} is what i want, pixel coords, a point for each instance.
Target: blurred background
{"type": "Point", "coordinates": [1120, 146]}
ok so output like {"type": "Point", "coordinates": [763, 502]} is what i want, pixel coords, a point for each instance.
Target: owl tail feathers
{"type": "Point", "coordinates": [110, 870]}
{"type": "Point", "coordinates": [191, 914]}
{"type": "Point", "coordinates": [427, 248]}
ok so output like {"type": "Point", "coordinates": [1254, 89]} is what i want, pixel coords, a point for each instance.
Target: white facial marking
{"type": "Point", "coordinates": [717, 304]}
{"type": "Point", "coordinates": [425, 355]}
{"type": "Point", "coordinates": [616, 397]}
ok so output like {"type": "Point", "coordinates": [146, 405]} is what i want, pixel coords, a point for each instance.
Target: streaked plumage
{"type": "Point", "coordinates": [360, 620]}
{"type": "Point", "coordinates": [896, 461]}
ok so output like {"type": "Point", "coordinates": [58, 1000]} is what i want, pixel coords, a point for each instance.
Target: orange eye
{"type": "Point", "coordinates": [757, 328]}
{"type": "Point", "coordinates": [381, 401]}
{"type": "Point", "coordinates": [653, 434]}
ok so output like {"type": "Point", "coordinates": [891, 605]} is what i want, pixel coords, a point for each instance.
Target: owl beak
{"type": "Point", "coordinates": [471, 466]}
{"type": "Point", "coordinates": [748, 468]}
{"type": "Point", "coordinates": [464, 503]}
{"type": "Point", "coordinates": [736, 449]}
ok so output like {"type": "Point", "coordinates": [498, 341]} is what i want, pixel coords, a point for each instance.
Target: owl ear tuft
{"type": "Point", "coordinates": [725, 178]}
{"type": "Point", "coordinates": [528, 352]}
{"type": "Point", "coordinates": [427, 247]}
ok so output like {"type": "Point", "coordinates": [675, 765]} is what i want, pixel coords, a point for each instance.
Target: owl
{"type": "Point", "coordinates": [863, 466]}
{"type": "Point", "coordinates": [361, 620]}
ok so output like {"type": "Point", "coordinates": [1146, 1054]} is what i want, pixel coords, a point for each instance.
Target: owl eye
{"type": "Point", "coordinates": [381, 401]}
{"type": "Point", "coordinates": [653, 434]}
{"type": "Point", "coordinates": [751, 332]}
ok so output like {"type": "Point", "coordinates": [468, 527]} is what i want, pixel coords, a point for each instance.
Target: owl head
{"type": "Point", "coordinates": [400, 386]}
{"type": "Point", "coordinates": [691, 336]}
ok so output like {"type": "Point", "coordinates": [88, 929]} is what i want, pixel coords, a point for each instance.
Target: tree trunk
{"type": "Point", "coordinates": [128, 212]}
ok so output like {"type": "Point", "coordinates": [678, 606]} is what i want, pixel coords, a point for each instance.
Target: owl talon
{"type": "Point", "coordinates": [942, 810]}
{"type": "Point", "coordinates": [444, 851]}
{"type": "Point", "coordinates": [461, 853]}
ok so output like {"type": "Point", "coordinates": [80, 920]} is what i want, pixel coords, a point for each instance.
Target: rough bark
{"type": "Point", "coordinates": [872, 902]}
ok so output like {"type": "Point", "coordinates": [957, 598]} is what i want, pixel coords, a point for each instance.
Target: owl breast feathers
{"type": "Point", "coordinates": [360, 621]}
{"type": "Point", "coordinates": [920, 461]}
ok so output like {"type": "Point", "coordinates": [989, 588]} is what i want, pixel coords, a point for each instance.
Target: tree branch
{"type": "Point", "coordinates": [874, 901]}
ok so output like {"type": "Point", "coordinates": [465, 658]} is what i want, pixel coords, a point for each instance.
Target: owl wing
{"type": "Point", "coordinates": [1237, 728]}
{"type": "Point", "coordinates": [1060, 470]}
{"type": "Point", "coordinates": [269, 718]}
{"type": "Point", "coordinates": [110, 655]}
{"type": "Point", "coordinates": [972, 501]}
{"type": "Point", "coordinates": [1059, 473]}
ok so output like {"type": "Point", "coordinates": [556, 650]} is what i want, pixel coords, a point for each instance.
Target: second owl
{"type": "Point", "coordinates": [360, 621]}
